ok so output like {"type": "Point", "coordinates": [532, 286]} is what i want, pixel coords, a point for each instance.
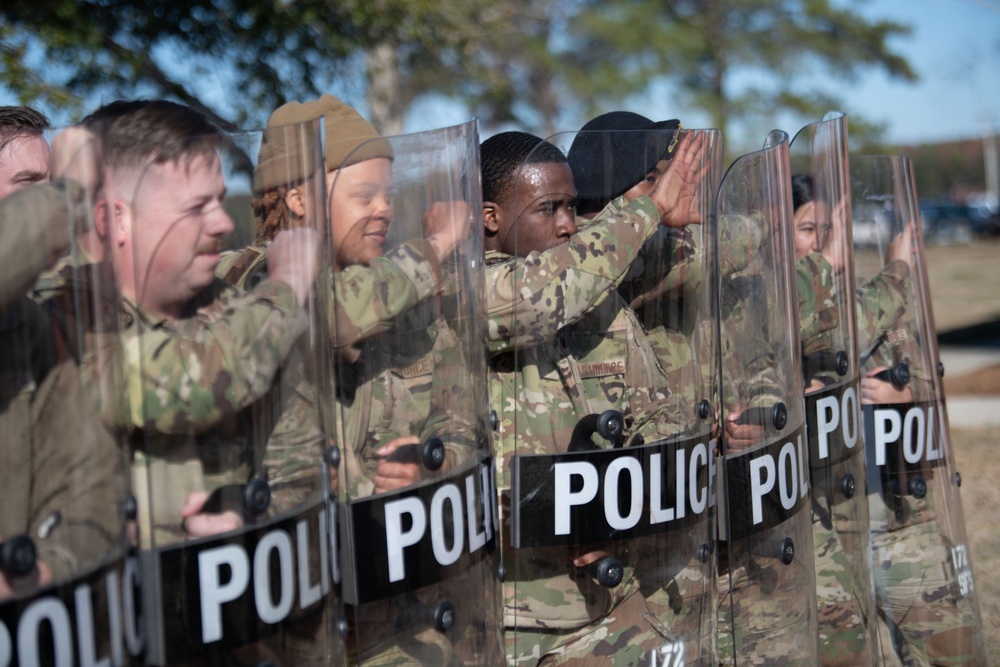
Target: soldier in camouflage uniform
{"type": "Point", "coordinates": [562, 350]}
{"type": "Point", "coordinates": [197, 352]}
{"type": "Point", "coordinates": [62, 472]}
{"type": "Point", "coordinates": [395, 359]}
{"type": "Point", "coordinates": [615, 158]}
{"type": "Point", "coordinates": [923, 581]}
{"type": "Point", "coordinates": [200, 357]}
{"type": "Point", "coordinates": [839, 519]}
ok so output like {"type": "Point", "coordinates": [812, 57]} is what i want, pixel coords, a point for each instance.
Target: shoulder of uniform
{"type": "Point", "coordinates": [236, 266]}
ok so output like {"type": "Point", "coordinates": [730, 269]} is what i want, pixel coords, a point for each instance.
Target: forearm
{"type": "Point", "coordinates": [882, 301]}
{"type": "Point", "coordinates": [530, 300]}
{"type": "Point", "coordinates": [188, 382]}
{"type": "Point", "coordinates": [35, 223]}
{"type": "Point", "coordinates": [366, 300]}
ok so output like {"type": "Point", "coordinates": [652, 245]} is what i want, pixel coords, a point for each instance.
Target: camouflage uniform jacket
{"type": "Point", "coordinates": [62, 474]}
{"type": "Point", "coordinates": [882, 301]}
{"type": "Point", "coordinates": [367, 299]}
{"type": "Point", "coordinates": [667, 287]}
{"type": "Point", "coordinates": [528, 300]}
{"type": "Point", "coordinates": [890, 333]}
{"type": "Point", "coordinates": [397, 366]}
{"type": "Point", "coordinates": [189, 383]}
{"type": "Point", "coordinates": [555, 360]}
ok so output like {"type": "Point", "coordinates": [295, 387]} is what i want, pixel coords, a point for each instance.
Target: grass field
{"type": "Point", "coordinates": [965, 292]}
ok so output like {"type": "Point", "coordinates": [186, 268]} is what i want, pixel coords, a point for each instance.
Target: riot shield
{"type": "Point", "coordinates": [418, 531]}
{"type": "Point", "coordinates": [226, 435]}
{"type": "Point", "coordinates": [767, 582]}
{"type": "Point", "coordinates": [821, 201]}
{"type": "Point", "coordinates": [924, 587]}
{"type": "Point", "coordinates": [605, 487]}
{"type": "Point", "coordinates": [68, 588]}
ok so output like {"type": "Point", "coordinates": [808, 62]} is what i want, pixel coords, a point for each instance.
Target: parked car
{"type": "Point", "coordinates": [947, 223]}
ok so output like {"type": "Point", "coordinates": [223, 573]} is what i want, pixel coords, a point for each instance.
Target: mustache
{"type": "Point", "coordinates": [211, 248]}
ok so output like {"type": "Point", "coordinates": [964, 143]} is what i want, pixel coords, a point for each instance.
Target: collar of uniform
{"type": "Point", "coordinates": [494, 257]}
{"type": "Point", "coordinates": [211, 298]}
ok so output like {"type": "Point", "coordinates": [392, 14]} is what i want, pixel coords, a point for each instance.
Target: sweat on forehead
{"type": "Point", "coordinates": [503, 155]}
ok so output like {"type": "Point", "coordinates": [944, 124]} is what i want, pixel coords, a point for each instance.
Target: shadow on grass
{"type": "Point", "coordinates": [984, 335]}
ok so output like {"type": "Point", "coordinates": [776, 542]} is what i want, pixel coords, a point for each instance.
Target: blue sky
{"type": "Point", "coordinates": [955, 49]}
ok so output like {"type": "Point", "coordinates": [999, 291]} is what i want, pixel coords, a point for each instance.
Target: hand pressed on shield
{"type": "Point", "coordinates": [197, 524]}
{"type": "Point", "coordinates": [902, 247]}
{"type": "Point", "coordinates": [834, 247]}
{"type": "Point", "coordinates": [879, 392]}
{"type": "Point", "coordinates": [75, 156]}
{"type": "Point", "coordinates": [392, 475]}
{"type": "Point", "coordinates": [590, 557]}
{"type": "Point", "coordinates": [741, 436]}
{"type": "Point", "coordinates": [447, 224]}
{"type": "Point", "coordinates": [677, 193]}
{"type": "Point", "coordinates": [293, 258]}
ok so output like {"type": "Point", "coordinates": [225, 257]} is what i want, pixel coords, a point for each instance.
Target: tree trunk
{"type": "Point", "coordinates": [385, 94]}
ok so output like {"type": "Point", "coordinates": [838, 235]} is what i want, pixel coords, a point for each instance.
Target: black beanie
{"type": "Point", "coordinates": [615, 151]}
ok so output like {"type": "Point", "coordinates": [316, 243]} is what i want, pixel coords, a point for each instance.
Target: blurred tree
{"type": "Point", "coordinates": [262, 52]}
{"type": "Point", "coordinates": [749, 60]}
{"type": "Point", "coordinates": [538, 64]}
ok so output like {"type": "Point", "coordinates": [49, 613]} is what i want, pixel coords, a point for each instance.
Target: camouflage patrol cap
{"type": "Point", "coordinates": [614, 151]}
{"type": "Point", "coordinates": [285, 153]}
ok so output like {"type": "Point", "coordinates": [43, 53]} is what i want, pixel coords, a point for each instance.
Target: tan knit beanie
{"type": "Point", "coordinates": [286, 154]}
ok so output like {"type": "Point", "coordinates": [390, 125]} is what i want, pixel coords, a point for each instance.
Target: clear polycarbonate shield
{"type": "Point", "coordinates": [226, 434]}
{"type": "Point", "coordinates": [821, 201]}
{"type": "Point", "coordinates": [924, 586]}
{"type": "Point", "coordinates": [67, 586]}
{"type": "Point", "coordinates": [605, 464]}
{"type": "Point", "coordinates": [418, 533]}
{"type": "Point", "coordinates": [767, 583]}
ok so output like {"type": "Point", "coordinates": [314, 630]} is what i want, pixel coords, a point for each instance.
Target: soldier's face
{"type": "Point", "coordinates": [360, 211]}
{"type": "Point", "coordinates": [812, 229]}
{"type": "Point", "coordinates": [647, 184]}
{"type": "Point", "coordinates": [176, 233]}
{"type": "Point", "coordinates": [544, 206]}
{"type": "Point", "coordinates": [23, 162]}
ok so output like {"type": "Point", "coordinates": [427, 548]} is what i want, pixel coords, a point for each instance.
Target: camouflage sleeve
{"type": "Point", "coordinates": [365, 300]}
{"type": "Point", "coordinates": [740, 237]}
{"type": "Point", "coordinates": [818, 311]}
{"type": "Point", "coordinates": [529, 300]}
{"type": "Point", "coordinates": [673, 259]}
{"type": "Point", "coordinates": [451, 401]}
{"type": "Point", "coordinates": [749, 349]}
{"type": "Point", "coordinates": [882, 301]}
{"type": "Point", "coordinates": [188, 379]}
{"type": "Point", "coordinates": [35, 224]}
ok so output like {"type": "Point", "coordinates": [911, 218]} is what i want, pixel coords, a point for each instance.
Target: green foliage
{"type": "Point", "coordinates": [540, 65]}
{"type": "Point", "coordinates": [716, 50]}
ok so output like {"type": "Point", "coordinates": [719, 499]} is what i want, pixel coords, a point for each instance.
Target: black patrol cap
{"type": "Point", "coordinates": [616, 150]}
